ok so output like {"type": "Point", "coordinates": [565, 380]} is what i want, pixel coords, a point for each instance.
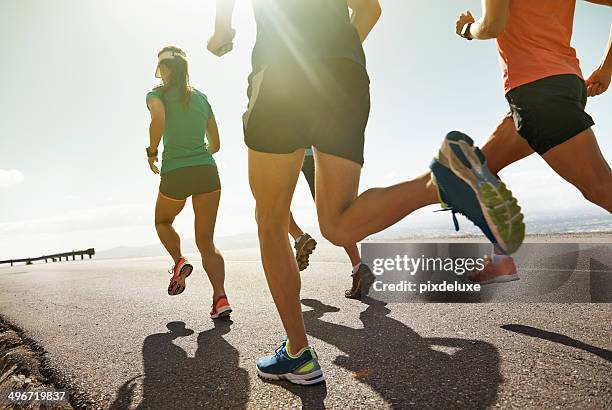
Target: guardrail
{"type": "Point", "coordinates": [54, 258]}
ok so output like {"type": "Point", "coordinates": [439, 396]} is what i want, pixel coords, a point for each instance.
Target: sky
{"type": "Point", "coordinates": [74, 125]}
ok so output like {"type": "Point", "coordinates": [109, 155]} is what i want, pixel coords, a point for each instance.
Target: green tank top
{"type": "Point", "coordinates": [184, 137]}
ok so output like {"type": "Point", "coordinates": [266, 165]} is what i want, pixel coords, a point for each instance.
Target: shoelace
{"type": "Point", "coordinates": [277, 352]}
{"type": "Point", "coordinates": [454, 212]}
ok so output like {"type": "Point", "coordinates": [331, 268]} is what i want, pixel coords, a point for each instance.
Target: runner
{"type": "Point", "coordinates": [547, 94]}
{"type": "Point", "coordinates": [183, 116]}
{"type": "Point", "coordinates": [309, 87]}
{"type": "Point", "coordinates": [305, 244]}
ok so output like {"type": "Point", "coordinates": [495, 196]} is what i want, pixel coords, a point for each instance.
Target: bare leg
{"type": "Point", "coordinates": [505, 146]}
{"type": "Point", "coordinates": [346, 218]}
{"type": "Point", "coordinates": [353, 253]}
{"type": "Point", "coordinates": [294, 230]}
{"type": "Point", "coordinates": [166, 210]}
{"type": "Point", "coordinates": [273, 178]}
{"type": "Point", "coordinates": [205, 207]}
{"type": "Point", "coordinates": [580, 162]}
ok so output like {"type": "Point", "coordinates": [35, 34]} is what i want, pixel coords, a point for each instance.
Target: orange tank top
{"type": "Point", "coordinates": [536, 41]}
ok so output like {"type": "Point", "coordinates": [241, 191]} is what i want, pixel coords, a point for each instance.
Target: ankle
{"type": "Point", "coordinates": [294, 352]}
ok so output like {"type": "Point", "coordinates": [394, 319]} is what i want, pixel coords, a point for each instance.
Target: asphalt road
{"type": "Point", "coordinates": [118, 340]}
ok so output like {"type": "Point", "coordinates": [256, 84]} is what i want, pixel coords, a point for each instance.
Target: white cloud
{"type": "Point", "coordinates": [10, 178]}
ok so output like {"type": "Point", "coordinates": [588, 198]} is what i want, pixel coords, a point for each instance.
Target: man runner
{"type": "Point", "coordinates": [305, 244]}
{"type": "Point", "coordinates": [547, 94]}
{"type": "Point", "coordinates": [309, 87]}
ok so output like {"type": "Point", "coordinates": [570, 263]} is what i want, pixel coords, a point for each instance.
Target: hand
{"type": "Point", "coordinates": [152, 161]}
{"type": "Point", "coordinates": [598, 82]}
{"type": "Point", "coordinates": [464, 18]}
{"type": "Point", "coordinates": [221, 42]}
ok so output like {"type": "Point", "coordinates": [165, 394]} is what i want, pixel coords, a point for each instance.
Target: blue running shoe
{"type": "Point", "coordinates": [303, 369]}
{"type": "Point", "coordinates": [466, 186]}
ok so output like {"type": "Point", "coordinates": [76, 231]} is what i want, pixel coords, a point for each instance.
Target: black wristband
{"type": "Point", "coordinates": [151, 154]}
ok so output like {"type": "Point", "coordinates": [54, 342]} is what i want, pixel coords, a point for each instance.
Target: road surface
{"type": "Point", "coordinates": [116, 339]}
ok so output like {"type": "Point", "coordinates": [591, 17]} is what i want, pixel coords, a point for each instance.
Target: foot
{"type": "Point", "coordinates": [180, 272]}
{"type": "Point", "coordinates": [362, 281]}
{"type": "Point", "coordinates": [304, 246]}
{"type": "Point", "coordinates": [302, 368]}
{"type": "Point", "coordinates": [466, 186]}
{"type": "Point", "coordinates": [500, 270]}
{"type": "Point", "coordinates": [220, 308]}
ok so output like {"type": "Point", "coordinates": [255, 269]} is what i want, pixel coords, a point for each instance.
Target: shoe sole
{"type": "Point", "coordinates": [302, 255]}
{"type": "Point", "coordinates": [177, 286]}
{"type": "Point", "coordinates": [499, 208]}
{"type": "Point", "coordinates": [498, 279]}
{"type": "Point", "coordinates": [309, 379]}
{"type": "Point", "coordinates": [223, 313]}
{"type": "Point", "coordinates": [365, 285]}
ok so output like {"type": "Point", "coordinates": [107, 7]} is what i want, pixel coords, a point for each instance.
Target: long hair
{"type": "Point", "coordinates": [179, 75]}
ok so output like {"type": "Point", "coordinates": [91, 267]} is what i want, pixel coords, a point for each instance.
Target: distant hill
{"type": "Point", "coordinates": [187, 245]}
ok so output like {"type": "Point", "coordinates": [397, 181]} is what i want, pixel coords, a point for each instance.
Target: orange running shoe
{"type": "Point", "coordinates": [220, 308]}
{"type": "Point", "coordinates": [179, 272]}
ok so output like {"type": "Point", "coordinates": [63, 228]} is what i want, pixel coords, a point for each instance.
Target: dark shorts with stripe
{"type": "Point", "coordinates": [184, 182]}
{"type": "Point", "coordinates": [324, 104]}
{"type": "Point", "coordinates": [550, 111]}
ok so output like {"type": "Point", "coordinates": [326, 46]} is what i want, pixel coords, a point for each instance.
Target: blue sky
{"type": "Point", "coordinates": [74, 124]}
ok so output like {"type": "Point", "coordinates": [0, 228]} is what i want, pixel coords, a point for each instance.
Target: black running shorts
{"type": "Point", "coordinates": [550, 111]}
{"type": "Point", "coordinates": [324, 104]}
{"type": "Point", "coordinates": [182, 183]}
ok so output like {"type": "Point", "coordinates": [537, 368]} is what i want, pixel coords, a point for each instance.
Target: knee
{"type": "Point", "coordinates": [161, 222]}
{"type": "Point", "coordinates": [271, 222]}
{"type": "Point", "coordinates": [598, 194]}
{"type": "Point", "coordinates": [335, 233]}
{"type": "Point", "coordinates": [205, 245]}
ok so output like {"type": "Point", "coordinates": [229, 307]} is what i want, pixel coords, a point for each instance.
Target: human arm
{"type": "Point", "coordinates": [221, 42]}
{"type": "Point", "coordinates": [602, 2]}
{"type": "Point", "coordinates": [599, 81]}
{"type": "Point", "coordinates": [212, 132]}
{"type": "Point", "coordinates": [490, 25]}
{"type": "Point", "coordinates": [365, 15]}
{"type": "Point", "coordinates": [156, 128]}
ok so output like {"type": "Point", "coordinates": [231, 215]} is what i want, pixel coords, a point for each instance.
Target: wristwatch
{"type": "Point", "coordinates": [466, 32]}
{"type": "Point", "coordinates": [150, 153]}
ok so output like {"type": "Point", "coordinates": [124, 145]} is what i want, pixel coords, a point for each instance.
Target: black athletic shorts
{"type": "Point", "coordinates": [308, 169]}
{"type": "Point", "coordinates": [550, 111]}
{"type": "Point", "coordinates": [325, 105]}
{"type": "Point", "coordinates": [184, 182]}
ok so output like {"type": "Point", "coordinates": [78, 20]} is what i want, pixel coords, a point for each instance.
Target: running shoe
{"type": "Point", "coordinates": [362, 282]}
{"type": "Point", "coordinates": [303, 249]}
{"type": "Point", "coordinates": [466, 186]}
{"type": "Point", "coordinates": [301, 369]}
{"type": "Point", "coordinates": [495, 272]}
{"type": "Point", "coordinates": [179, 273]}
{"type": "Point", "coordinates": [220, 308]}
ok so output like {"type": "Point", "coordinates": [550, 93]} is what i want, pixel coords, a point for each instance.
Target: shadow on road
{"type": "Point", "coordinates": [405, 369]}
{"type": "Point", "coordinates": [559, 338]}
{"type": "Point", "coordinates": [211, 379]}
{"type": "Point", "coordinates": [313, 397]}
